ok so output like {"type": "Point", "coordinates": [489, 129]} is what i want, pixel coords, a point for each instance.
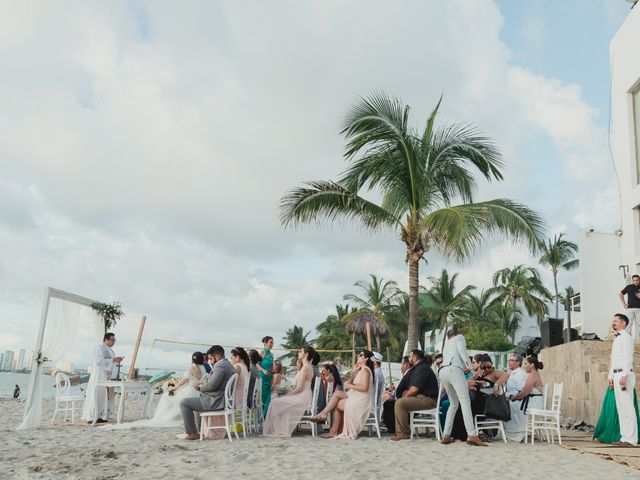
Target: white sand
{"type": "Point", "coordinates": [81, 451]}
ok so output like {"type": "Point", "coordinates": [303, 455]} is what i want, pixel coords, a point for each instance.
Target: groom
{"type": "Point", "coordinates": [211, 393]}
{"type": "Point", "coordinates": [622, 379]}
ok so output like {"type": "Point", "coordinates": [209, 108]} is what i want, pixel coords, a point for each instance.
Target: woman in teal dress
{"type": "Point", "coordinates": [265, 367]}
{"type": "Point", "coordinates": [608, 428]}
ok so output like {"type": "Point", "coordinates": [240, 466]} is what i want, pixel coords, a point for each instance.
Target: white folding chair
{"type": "Point", "coordinates": [427, 418]}
{"type": "Point", "coordinates": [546, 420]}
{"type": "Point", "coordinates": [376, 413]}
{"type": "Point", "coordinates": [63, 385]}
{"type": "Point", "coordinates": [484, 423]}
{"type": "Point", "coordinates": [229, 412]}
{"type": "Point", "coordinates": [244, 408]}
{"type": "Point", "coordinates": [255, 419]}
{"type": "Point", "coordinates": [313, 408]}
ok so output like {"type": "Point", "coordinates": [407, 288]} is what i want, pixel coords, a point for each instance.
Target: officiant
{"type": "Point", "coordinates": [99, 400]}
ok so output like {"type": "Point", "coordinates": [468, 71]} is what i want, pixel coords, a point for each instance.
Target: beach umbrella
{"type": "Point", "coordinates": [365, 322]}
{"type": "Point", "coordinates": [160, 377]}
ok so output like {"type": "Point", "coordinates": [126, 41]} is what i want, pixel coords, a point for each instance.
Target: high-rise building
{"type": "Point", "coordinates": [7, 364]}
{"type": "Point", "coordinates": [1, 359]}
{"type": "Point", "coordinates": [20, 364]}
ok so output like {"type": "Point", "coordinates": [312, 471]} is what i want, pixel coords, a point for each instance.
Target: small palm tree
{"type": "Point", "coordinates": [449, 304]}
{"type": "Point", "coordinates": [521, 284]}
{"type": "Point", "coordinates": [419, 175]}
{"type": "Point", "coordinates": [559, 253]}
{"type": "Point", "coordinates": [294, 339]}
{"type": "Point", "coordinates": [379, 298]}
{"type": "Point", "coordinates": [332, 333]}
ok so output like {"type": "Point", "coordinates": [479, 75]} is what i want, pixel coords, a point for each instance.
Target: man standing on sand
{"type": "Point", "coordinates": [622, 379]}
{"type": "Point", "coordinates": [632, 305]}
{"type": "Point", "coordinates": [99, 400]}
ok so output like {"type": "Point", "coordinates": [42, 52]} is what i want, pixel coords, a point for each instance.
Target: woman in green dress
{"type": "Point", "coordinates": [265, 367]}
{"type": "Point", "coordinates": [608, 428]}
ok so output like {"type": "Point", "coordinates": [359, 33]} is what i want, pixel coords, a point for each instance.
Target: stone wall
{"type": "Point", "coordinates": [582, 367]}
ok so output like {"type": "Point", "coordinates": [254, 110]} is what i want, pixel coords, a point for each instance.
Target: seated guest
{"type": "Point", "coordinates": [322, 397]}
{"type": "Point", "coordinates": [438, 359]}
{"type": "Point", "coordinates": [241, 364]}
{"type": "Point", "coordinates": [254, 361]}
{"type": "Point", "coordinates": [351, 408]}
{"type": "Point", "coordinates": [276, 378]}
{"type": "Point", "coordinates": [211, 393]}
{"type": "Point", "coordinates": [421, 393]}
{"type": "Point", "coordinates": [529, 396]}
{"type": "Point", "coordinates": [514, 382]}
{"type": "Point", "coordinates": [378, 373]}
{"type": "Point", "coordinates": [206, 365]}
{"type": "Point", "coordinates": [285, 412]}
{"type": "Point", "coordinates": [388, 407]}
{"type": "Point", "coordinates": [332, 375]}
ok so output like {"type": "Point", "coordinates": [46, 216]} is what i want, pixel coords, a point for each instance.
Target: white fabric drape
{"type": "Point", "coordinates": [60, 328]}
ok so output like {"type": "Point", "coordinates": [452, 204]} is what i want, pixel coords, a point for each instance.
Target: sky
{"type": "Point", "coordinates": [144, 148]}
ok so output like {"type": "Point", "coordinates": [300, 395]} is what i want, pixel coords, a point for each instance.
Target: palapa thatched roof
{"type": "Point", "coordinates": [358, 324]}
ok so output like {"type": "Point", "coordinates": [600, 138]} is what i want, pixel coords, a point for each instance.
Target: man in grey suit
{"type": "Point", "coordinates": [211, 393]}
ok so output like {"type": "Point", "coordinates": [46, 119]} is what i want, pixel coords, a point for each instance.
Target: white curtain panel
{"type": "Point", "coordinates": [60, 329]}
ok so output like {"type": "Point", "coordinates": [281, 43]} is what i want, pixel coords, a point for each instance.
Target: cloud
{"type": "Point", "coordinates": [149, 147]}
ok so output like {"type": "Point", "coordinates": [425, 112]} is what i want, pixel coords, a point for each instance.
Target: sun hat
{"type": "Point", "coordinates": [377, 357]}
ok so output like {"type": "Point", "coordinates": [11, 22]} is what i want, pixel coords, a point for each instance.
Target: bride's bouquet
{"type": "Point", "coordinates": [284, 388]}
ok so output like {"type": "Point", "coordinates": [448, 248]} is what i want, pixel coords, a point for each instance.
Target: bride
{"type": "Point", "coordinates": [167, 412]}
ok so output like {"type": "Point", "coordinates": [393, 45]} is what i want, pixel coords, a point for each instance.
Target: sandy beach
{"type": "Point", "coordinates": [84, 452]}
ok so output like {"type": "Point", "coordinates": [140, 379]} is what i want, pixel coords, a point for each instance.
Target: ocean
{"type": "Point", "coordinates": [9, 380]}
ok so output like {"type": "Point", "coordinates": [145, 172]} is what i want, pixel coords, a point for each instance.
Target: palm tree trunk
{"type": "Point", "coordinates": [414, 326]}
{"type": "Point", "coordinates": [378, 343]}
{"type": "Point", "coordinates": [444, 337]}
{"type": "Point", "coordinates": [555, 285]}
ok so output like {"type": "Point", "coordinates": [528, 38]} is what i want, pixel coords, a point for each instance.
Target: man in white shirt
{"type": "Point", "coordinates": [515, 378]}
{"type": "Point", "coordinates": [622, 379]}
{"type": "Point", "coordinates": [455, 363]}
{"type": "Point", "coordinates": [97, 402]}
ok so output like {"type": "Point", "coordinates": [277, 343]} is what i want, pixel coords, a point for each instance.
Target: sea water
{"type": "Point", "coordinates": [9, 380]}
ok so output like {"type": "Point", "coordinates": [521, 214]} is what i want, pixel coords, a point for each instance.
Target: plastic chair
{"type": "Point", "coordinates": [546, 420]}
{"type": "Point", "coordinates": [229, 412]}
{"type": "Point", "coordinates": [376, 414]}
{"type": "Point", "coordinates": [313, 408]}
{"type": "Point", "coordinates": [427, 418]}
{"type": "Point", "coordinates": [328, 398]}
{"type": "Point", "coordinates": [485, 423]}
{"type": "Point", "coordinates": [63, 385]}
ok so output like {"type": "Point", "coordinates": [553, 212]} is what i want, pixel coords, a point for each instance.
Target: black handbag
{"type": "Point", "coordinates": [497, 407]}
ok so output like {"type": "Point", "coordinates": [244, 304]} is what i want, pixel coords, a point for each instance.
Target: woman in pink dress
{"type": "Point", "coordinates": [351, 408]}
{"type": "Point", "coordinates": [285, 412]}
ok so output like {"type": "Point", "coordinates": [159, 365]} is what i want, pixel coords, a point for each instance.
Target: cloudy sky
{"type": "Point", "coordinates": [144, 146]}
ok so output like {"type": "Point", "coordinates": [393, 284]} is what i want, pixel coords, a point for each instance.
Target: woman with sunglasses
{"type": "Point", "coordinates": [352, 406]}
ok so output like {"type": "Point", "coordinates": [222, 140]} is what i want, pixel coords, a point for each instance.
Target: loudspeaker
{"type": "Point", "coordinates": [574, 335]}
{"type": "Point", "coordinates": [551, 330]}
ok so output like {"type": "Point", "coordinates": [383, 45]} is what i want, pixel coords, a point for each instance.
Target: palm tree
{"type": "Point", "coordinates": [379, 299]}
{"type": "Point", "coordinates": [559, 253]}
{"type": "Point", "coordinates": [294, 339]}
{"type": "Point", "coordinates": [520, 284]}
{"type": "Point", "coordinates": [507, 319]}
{"type": "Point", "coordinates": [419, 175]}
{"type": "Point", "coordinates": [449, 304]}
{"type": "Point", "coordinates": [565, 300]}
{"type": "Point", "coordinates": [332, 332]}
{"type": "Point", "coordinates": [478, 309]}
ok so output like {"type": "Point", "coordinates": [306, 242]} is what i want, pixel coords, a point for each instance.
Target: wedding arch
{"type": "Point", "coordinates": [62, 314]}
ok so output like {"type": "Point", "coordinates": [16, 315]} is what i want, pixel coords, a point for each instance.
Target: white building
{"type": "Point", "coordinates": [608, 259]}
{"type": "Point", "coordinates": [20, 363]}
{"type": "Point", "coordinates": [7, 364]}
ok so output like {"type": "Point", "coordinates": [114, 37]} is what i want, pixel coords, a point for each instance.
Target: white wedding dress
{"type": "Point", "coordinates": [167, 412]}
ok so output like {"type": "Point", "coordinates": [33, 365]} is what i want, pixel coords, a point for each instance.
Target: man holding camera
{"type": "Point", "coordinates": [622, 379]}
